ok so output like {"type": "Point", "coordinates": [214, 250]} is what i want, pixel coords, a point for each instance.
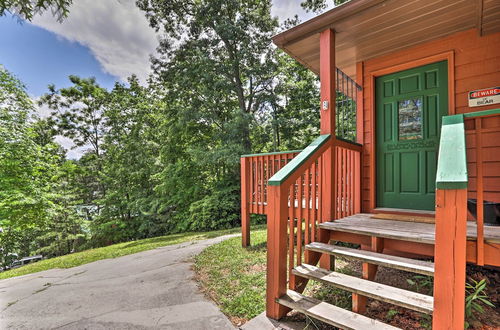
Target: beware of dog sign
{"type": "Point", "coordinates": [485, 96]}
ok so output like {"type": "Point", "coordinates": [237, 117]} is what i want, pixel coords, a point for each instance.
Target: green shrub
{"type": "Point", "coordinates": [218, 210]}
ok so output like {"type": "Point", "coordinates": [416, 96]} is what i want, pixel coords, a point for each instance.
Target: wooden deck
{"type": "Point", "coordinates": [364, 224]}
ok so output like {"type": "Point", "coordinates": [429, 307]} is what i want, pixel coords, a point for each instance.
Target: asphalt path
{"type": "Point", "coordinates": [147, 290]}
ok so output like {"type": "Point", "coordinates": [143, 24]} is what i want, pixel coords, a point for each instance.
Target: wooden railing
{"type": "Point", "coordinates": [452, 188]}
{"type": "Point", "coordinates": [320, 184]}
{"type": "Point", "coordinates": [256, 170]}
{"type": "Point", "coordinates": [482, 137]}
{"type": "Point", "coordinates": [347, 179]}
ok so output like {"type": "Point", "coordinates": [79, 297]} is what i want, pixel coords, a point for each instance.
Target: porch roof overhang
{"type": "Point", "coordinates": [366, 29]}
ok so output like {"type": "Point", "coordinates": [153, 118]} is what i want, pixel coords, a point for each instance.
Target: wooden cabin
{"type": "Point", "coordinates": [410, 134]}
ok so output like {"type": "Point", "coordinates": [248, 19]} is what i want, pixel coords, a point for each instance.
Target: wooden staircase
{"type": "Point", "coordinates": [345, 319]}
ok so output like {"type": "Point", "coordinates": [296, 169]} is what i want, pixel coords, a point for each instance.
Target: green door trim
{"type": "Point", "coordinates": [409, 106]}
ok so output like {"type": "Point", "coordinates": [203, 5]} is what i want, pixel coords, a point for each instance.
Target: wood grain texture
{"type": "Point", "coordinates": [245, 203]}
{"type": "Point", "coordinates": [407, 218]}
{"type": "Point", "coordinates": [408, 299]}
{"type": "Point", "coordinates": [406, 264]}
{"type": "Point", "coordinates": [364, 224]}
{"type": "Point", "coordinates": [387, 26]}
{"type": "Point", "coordinates": [276, 251]}
{"type": "Point", "coordinates": [450, 259]}
{"type": "Point", "coordinates": [330, 314]}
{"type": "Point", "coordinates": [327, 78]}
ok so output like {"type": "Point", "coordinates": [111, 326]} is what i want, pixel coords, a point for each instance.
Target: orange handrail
{"type": "Point", "coordinates": [298, 202]}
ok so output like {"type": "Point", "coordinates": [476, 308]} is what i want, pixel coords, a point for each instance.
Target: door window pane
{"type": "Point", "coordinates": [410, 119]}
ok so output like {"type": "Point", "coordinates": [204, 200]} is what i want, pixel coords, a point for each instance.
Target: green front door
{"type": "Point", "coordinates": [409, 107]}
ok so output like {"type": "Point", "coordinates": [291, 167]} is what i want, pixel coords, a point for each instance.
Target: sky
{"type": "Point", "coordinates": [106, 39]}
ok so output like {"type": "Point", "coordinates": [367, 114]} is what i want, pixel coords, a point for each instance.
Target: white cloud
{"type": "Point", "coordinates": [116, 32]}
{"type": "Point", "coordinates": [42, 110]}
{"type": "Point", "coordinates": [72, 152]}
{"type": "Point", "coordinates": [119, 36]}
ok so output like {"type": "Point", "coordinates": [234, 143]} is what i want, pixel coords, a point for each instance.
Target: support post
{"type": "Point", "coordinates": [277, 219]}
{"type": "Point", "coordinates": [369, 273]}
{"type": "Point", "coordinates": [245, 202]}
{"type": "Point", "coordinates": [450, 259]}
{"type": "Point", "coordinates": [360, 124]}
{"type": "Point", "coordinates": [327, 74]}
{"type": "Point", "coordinates": [327, 113]}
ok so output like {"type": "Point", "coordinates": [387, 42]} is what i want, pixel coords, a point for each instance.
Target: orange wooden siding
{"type": "Point", "coordinates": [475, 64]}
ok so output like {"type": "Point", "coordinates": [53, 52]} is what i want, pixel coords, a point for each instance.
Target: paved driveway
{"type": "Point", "coordinates": [148, 290]}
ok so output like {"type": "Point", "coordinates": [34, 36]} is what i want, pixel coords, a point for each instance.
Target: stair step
{"type": "Point", "coordinates": [404, 298]}
{"type": "Point", "coordinates": [330, 314]}
{"type": "Point", "coordinates": [383, 228]}
{"type": "Point", "coordinates": [407, 264]}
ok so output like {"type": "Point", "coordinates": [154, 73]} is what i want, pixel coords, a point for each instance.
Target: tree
{"type": "Point", "coordinates": [26, 9]}
{"type": "Point", "coordinates": [66, 232]}
{"type": "Point", "coordinates": [227, 44]}
{"type": "Point", "coordinates": [130, 149]}
{"type": "Point", "coordinates": [215, 66]}
{"type": "Point", "coordinates": [318, 6]}
{"type": "Point", "coordinates": [26, 171]}
{"type": "Point", "coordinates": [78, 114]}
{"type": "Point", "coordinates": [292, 121]}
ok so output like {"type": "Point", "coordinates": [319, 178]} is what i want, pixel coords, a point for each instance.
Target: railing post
{"type": "Point", "coordinates": [277, 219]}
{"type": "Point", "coordinates": [245, 200]}
{"type": "Point", "coordinates": [450, 259]}
{"type": "Point", "coordinates": [450, 246]}
{"type": "Point", "coordinates": [479, 193]}
{"type": "Point", "coordinates": [357, 182]}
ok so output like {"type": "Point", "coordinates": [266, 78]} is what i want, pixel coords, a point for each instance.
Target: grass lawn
{"type": "Point", "coordinates": [113, 251]}
{"type": "Point", "coordinates": [235, 278]}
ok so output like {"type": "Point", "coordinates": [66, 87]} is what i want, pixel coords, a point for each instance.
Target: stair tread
{"type": "Point", "coordinates": [407, 264]}
{"type": "Point", "coordinates": [330, 314]}
{"type": "Point", "coordinates": [404, 298]}
{"type": "Point", "coordinates": [402, 233]}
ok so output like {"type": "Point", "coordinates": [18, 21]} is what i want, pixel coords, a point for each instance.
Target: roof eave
{"type": "Point", "coordinates": [323, 21]}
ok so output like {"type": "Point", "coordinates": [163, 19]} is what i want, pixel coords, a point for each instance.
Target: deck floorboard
{"type": "Point", "coordinates": [363, 223]}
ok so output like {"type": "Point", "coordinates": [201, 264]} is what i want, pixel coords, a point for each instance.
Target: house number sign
{"type": "Point", "coordinates": [485, 96]}
{"type": "Point", "coordinates": [411, 145]}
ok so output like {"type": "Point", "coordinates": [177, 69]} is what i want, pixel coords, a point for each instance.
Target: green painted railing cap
{"type": "Point", "coordinates": [452, 161]}
{"type": "Point", "coordinates": [279, 177]}
{"type": "Point", "coordinates": [482, 113]}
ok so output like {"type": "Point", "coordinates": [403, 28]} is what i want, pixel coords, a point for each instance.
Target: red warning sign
{"type": "Point", "coordinates": [485, 96]}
